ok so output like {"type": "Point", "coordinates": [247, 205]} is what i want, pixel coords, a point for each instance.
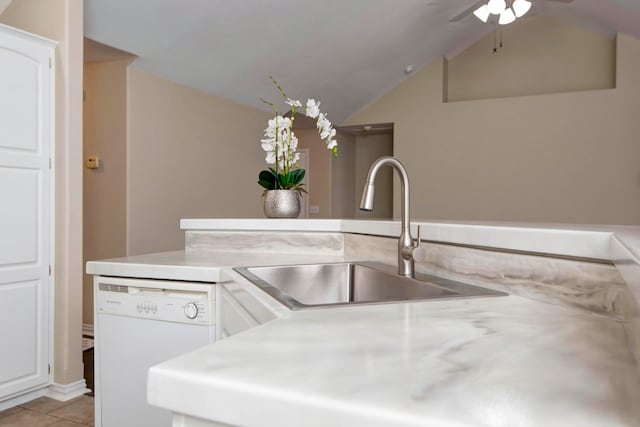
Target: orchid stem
{"type": "Point", "coordinates": [279, 87]}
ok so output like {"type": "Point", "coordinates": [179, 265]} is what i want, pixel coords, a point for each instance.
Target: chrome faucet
{"type": "Point", "coordinates": [407, 252]}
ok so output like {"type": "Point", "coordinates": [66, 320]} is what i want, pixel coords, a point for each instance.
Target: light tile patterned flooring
{"type": "Point", "coordinates": [45, 412]}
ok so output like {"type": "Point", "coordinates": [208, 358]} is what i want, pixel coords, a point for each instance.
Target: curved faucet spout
{"type": "Point", "coordinates": [405, 243]}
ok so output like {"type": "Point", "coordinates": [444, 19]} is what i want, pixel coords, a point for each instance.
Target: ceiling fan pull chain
{"type": "Point", "coordinates": [495, 41]}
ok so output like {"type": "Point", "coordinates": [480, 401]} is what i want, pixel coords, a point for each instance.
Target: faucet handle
{"type": "Point", "coordinates": [414, 253]}
{"type": "Point", "coordinates": [418, 253]}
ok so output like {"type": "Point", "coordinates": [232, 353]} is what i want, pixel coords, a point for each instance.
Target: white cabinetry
{"type": "Point", "coordinates": [26, 99]}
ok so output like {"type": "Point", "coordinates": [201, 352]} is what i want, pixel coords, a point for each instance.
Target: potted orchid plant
{"type": "Point", "coordinates": [283, 179]}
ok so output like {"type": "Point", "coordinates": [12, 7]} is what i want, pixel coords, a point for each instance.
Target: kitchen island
{"type": "Point", "coordinates": [544, 355]}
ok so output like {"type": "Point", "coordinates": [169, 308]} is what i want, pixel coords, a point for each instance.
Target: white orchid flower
{"type": "Point", "coordinates": [279, 141]}
{"type": "Point", "coordinates": [293, 145]}
{"type": "Point", "coordinates": [327, 133]}
{"type": "Point", "coordinates": [268, 145]}
{"type": "Point", "coordinates": [271, 158]}
{"type": "Point", "coordinates": [322, 121]}
{"type": "Point", "coordinates": [313, 108]}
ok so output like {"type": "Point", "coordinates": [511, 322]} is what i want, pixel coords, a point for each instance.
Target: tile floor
{"type": "Point", "coordinates": [45, 412]}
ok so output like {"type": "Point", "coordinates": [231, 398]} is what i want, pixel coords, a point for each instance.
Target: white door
{"type": "Point", "coordinates": [25, 141]}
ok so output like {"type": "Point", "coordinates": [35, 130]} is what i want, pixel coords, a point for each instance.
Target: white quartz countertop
{"type": "Point", "coordinates": [505, 361]}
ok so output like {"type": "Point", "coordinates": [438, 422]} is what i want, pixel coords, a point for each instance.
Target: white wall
{"type": "Point", "coordinates": [190, 155]}
{"type": "Point", "coordinates": [564, 157]}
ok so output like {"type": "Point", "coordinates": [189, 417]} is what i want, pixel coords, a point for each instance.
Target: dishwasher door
{"type": "Point", "coordinates": [140, 323]}
{"type": "Point", "coordinates": [127, 348]}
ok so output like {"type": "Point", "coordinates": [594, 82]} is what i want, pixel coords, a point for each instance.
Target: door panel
{"type": "Point", "coordinates": [19, 219]}
{"type": "Point", "coordinates": [25, 191]}
{"type": "Point", "coordinates": [19, 307]}
{"type": "Point", "coordinates": [19, 88]}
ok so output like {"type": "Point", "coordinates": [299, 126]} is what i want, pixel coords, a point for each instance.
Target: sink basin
{"type": "Point", "coordinates": [328, 285]}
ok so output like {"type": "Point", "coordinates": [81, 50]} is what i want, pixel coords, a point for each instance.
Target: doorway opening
{"type": "Point", "coordinates": [360, 146]}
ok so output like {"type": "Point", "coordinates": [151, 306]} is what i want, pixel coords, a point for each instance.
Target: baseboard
{"type": "Point", "coordinates": [87, 330]}
{"type": "Point", "coordinates": [23, 398]}
{"type": "Point", "coordinates": [64, 392]}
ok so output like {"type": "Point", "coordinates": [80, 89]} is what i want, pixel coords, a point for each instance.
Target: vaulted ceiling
{"type": "Point", "coordinates": [346, 53]}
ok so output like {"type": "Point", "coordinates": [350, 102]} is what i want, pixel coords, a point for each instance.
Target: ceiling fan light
{"type": "Point", "coordinates": [482, 13]}
{"type": "Point", "coordinates": [520, 7]}
{"type": "Point", "coordinates": [496, 6]}
{"type": "Point", "coordinates": [507, 17]}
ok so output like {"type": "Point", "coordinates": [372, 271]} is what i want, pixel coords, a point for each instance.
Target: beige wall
{"type": "Point", "coordinates": [105, 188]}
{"type": "Point", "coordinates": [368, 149]}
{"type": "Point", "coordinates": [539, 55]}
{"type": "Point", "coordinates": [335, 183]}
{"type": "Point", "coordinates": [319, 171]}
{"type": "Point", "coordinates": [568, 157]}
{"type": "Point", "coordinates": [343, 203]}
{"type": "Point", "coordinates": [190, 155]}
{"type": "Point", "coordinates": [62, 21]}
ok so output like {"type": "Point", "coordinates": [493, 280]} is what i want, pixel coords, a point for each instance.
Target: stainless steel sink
{"type": "Point", "coordinates": [328, 285]}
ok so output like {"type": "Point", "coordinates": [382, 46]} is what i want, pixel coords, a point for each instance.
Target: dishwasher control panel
{"type": "Point", "coordinates": [164, 302]}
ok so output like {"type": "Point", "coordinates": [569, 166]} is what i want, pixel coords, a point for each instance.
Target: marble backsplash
{"type": "Point", "coordinates": [595, 287]}
{"type": "Point", "coordinates": [265, 241]}
{"type": "Point", "coordinates": [590, 286]}
{"type": "Point", "coordinates": [629, 268]}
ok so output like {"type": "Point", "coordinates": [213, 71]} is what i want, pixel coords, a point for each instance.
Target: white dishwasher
{"type": "Point", "coordinates": [140, 323]}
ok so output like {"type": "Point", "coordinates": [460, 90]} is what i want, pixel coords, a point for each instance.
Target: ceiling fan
{"type": "Point", "coordinates": [501, 11]}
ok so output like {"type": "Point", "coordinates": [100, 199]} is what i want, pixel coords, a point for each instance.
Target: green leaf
{"type": "Point", "coordinates": [286, 180]}
{"type": "Point", "coordinates": [269, 185]}
{"type": "Point", "coordinates": [297, 176]}
{"type": "Point", "coordinates": [266, 176]}
{"type": "Point", "coordinates": [267, 179]}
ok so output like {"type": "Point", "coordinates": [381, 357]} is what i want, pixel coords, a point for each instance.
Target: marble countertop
{"type": "Point", "coordinates": [619, 244]}
{"type": "Point", "coordinates": [559, 239]}
{"type": "Point", "coordinates": [506, 361]}
{"type": "Point", "coordinates": [194, 266]}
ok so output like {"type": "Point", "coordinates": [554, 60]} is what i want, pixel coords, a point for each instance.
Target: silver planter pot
{"type": "Point", "coordinates": [281, 203]}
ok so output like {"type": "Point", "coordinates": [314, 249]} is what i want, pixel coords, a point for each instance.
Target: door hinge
{"type": "Point", "coordinates": [50, 162]}
{"type": "Point", "coordinates": [49, 369]}
{"type": "Point", "coordinates": [49, 269]}
{"type": "Point", "coordinates": [50, 65]}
